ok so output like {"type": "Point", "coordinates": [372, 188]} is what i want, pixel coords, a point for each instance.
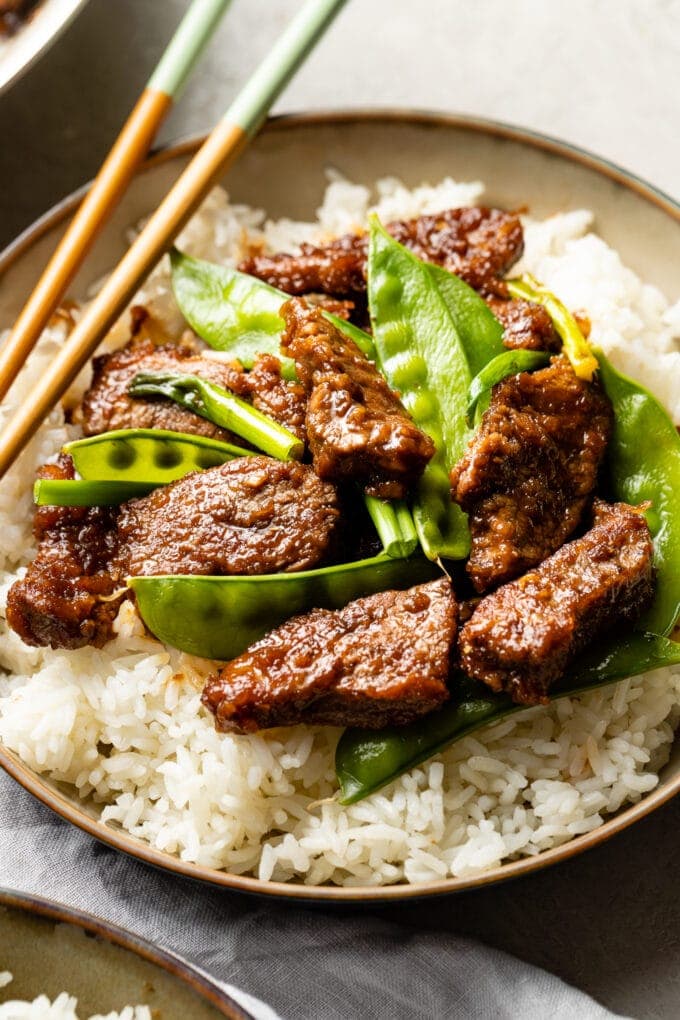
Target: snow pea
{"type": "Point", "coordinates": [221, 407]}
{"type": "Point", "coordinates": [80, 492]}
{"type": "Point", "coordinates": [147, 455]}
{"type": "Point", "coordinates": [480, 332]}
{"type": "Point", "coordinates": [367, 760]}
{"type": "Point", "coordinates": [238, 313]}
{"type": "Point", "coordinates": [575, 345]}
{"type": "Point", "coordinates": [419, 322]}
{"type": "Point", "coordinates": [643, 461]}
{"type": "Point", "coordinates": [218, 617]}
{"type": "Point", "coordinates": [508, 363]}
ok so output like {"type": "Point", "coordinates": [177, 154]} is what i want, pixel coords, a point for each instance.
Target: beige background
{"type": "Point", "coordinates": [600, 73]}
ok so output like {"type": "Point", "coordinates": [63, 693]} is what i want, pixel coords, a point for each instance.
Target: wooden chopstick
{"type": "Point", "coordinates": [221, 148]}
{"type": "Point", "coordinates": [133, 143]}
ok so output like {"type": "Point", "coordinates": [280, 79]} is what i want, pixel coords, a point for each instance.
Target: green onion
{"type": "Point", "coordinates": [576, 347]}
{"type": "Point", "coordinates": [394, 524]}
{"type": "Point", "coordinates": [222, 408]}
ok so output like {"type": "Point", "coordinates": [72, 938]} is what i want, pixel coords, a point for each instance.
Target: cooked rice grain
{"type": "Point", "coordinates": [64, 1007]}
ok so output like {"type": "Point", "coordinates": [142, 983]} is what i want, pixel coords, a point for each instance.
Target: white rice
{"type": "Point", "coordinates": [64, 1007]}
{"type": "Point", "coordinates": [124, 725]}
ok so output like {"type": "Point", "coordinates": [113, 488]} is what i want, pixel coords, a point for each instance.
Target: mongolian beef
{"type": "Point", "coordinates": [557, 566]}
{"type": "Point", "coordinates": [316, 530]}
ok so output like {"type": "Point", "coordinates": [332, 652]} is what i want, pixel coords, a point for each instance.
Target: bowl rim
{"type": "Point", "coordinates": [42, 29]}
{"type": "Point", "coordinates": [298, 891]}
{"type": "Point", "coordinates": [201, 983]}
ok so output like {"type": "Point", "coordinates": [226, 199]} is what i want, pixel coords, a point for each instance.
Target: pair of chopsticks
{"type": "Point", "coordinates": [222, 147]}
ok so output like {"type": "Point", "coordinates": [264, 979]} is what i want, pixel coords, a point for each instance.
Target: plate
{"type": "Point", "coordinates": [50, 948]}
{"type": "Point", "coordinates": [283, 172]}
{"type": "Point", "coordinates": [45, 23]}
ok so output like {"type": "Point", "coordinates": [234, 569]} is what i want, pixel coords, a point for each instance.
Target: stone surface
{"type": "Point", "coordinates": [599, 74]}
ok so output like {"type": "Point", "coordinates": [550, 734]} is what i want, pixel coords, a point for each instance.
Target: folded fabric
{"type": "Point", "coordinates": [305, 964]}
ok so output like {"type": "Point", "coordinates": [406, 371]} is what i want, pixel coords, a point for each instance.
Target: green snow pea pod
{"type": "Point", "coordinates": [366, 760]}
{"type": "Point", "coordinates": [417, 321]}
{"type": "Point", "coordinates": [480, 332]}
{"type": "Point", "coordinates": [238, 313]}
{"type": "Point", "coordinates": [147, 455]}
{"type": "Point", "coordinates": [221, 407]}
{"type": "Point", "coordinates": [643, 461]}
{"type": "Point", "coordinates": [218, 617]}
{"type": "Point", "coordinates": [80, 492]}
{"type": "Point", "coordinates": [508, 363]}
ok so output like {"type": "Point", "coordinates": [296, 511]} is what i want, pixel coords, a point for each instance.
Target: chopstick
{"type": "Point", "coordinates": [221, 148]}
{"type": "Point", "coordinates": [162, 89]}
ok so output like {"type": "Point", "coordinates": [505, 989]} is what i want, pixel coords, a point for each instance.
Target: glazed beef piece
{"type": "Point", "coordinates": [382, 660]}
{"type": "Point", "coordinates": [284, 401]}
{"type": "Point", "coordinates": [526, 325]}
{"type": "Point", "coordinates": [107, 404]}
{"type": "Point", "coordinates": [58, 602]}
{"type": "Point", "coordinates": [530, 469]}
{"type": "Point", "coordinates": [477, 244]}
{"type": "Point", "coordinates": [521, 638]}
{"type": "Point", "coordinates": [356, 426]}
{"type": "Point", "coordinates": [252, 515]}
{"type": "Point", "coordinates": [343, 309]}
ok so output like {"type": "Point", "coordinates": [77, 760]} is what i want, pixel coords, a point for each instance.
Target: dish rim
{"type": "Point", "coordinates": [118, 839]}
{"type": "Point", "coordinates": [201, 983]}
{"type": "Point", "coordinates": [35, 38]}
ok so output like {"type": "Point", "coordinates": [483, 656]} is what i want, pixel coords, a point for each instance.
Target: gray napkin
{"type": "Point", "coordinates": [304, 964]}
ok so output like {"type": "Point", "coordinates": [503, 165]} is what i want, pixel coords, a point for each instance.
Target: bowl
{"type": "Point", "coordinates": [632, 216]}
{"type": "Point", "coordinates": [50, 948]}
{"type": "Point", "coordinates": [42, 27]}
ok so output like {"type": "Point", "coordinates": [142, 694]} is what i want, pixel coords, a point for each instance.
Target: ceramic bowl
{"type": "Point", "coordinates": [41, 29]}
{"type": "Point", "coordinates": [50, 948]}
{"type": "Point", "coordinates": [283, 172]}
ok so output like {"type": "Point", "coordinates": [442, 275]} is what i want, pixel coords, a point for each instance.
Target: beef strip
{"type": "Point", "coordinates": [382, 660]}
{"type": "Point", "coordinates": [521, 638]}
{"type": "Point", "coordinates": [252, 515]}
{"type": "Point", "coordinates": [529, 469]}
{"type": "Point", "coordinates": [284, 401]}
{"type": "Point", "coordinates": [107, 404]}
{"type": "Point", "coordinates": [477, 244]}
{"type": "Point", "coordinates": [356, 426]}
{"type": "Point", "coordinates": [59, 601]}
{"type": "Point", "coordinates": [343, 309]}
{"type": "Point", "coordinates": [526, 325]}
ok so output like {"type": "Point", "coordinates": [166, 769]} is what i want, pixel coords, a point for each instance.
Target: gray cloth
{"type": "Point", "coordinates": [304, 964]}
